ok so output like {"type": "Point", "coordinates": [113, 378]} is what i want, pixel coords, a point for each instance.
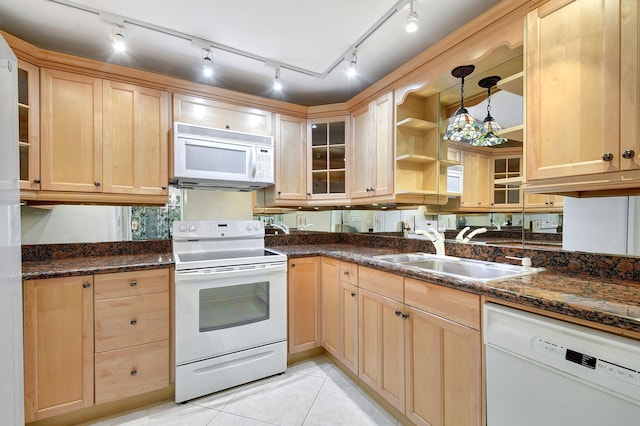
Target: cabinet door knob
{"type": "Point", "coordinates": [133, 283]}
{"type": "Point", "coordinates": [86, 285]}
{"type": "Point", "coordinates": [607, 156]}
{"type": "Point", "coordinates": [134, 322]}
{"type": "Point", "coordinates": [134, 372]}
{"type": "Point", "coordinates": [308, 194]}
{"type": "Point", "coordinates": [36, 180]}
{"type": "Point", "coordinates": [227, 127]}
{"type": "Point", "coordinates": [96, 183]}
{"type": "Point", "coordinates": [353, 294]}
{"type": "Point", "coordinates": [293, 265]}
{"type": "Point", "coordinates": [398, 312]}
{"type": "Point", "coordinates": [163, 187]}
{"type": "Point", "coordinates": [628, 154]}
{"type": "Point", "coordinates": [405, 316]}
{"type": "Point", "coordinates": [279, 192]}
{"type": "Point", "coordinates": [346, 272]}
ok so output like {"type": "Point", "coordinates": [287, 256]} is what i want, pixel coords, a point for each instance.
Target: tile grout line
{"type": "Point", "coordinates": [324, 380]}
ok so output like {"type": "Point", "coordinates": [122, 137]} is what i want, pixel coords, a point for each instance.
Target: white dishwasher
{"type": "Point", "coordinates": [542, 371]}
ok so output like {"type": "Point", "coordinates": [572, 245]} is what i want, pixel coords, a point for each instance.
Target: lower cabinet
{"type": "Point", "coordinates": [125, 314]}
{"type": "Point", "coordinates": [58, 346]}
{"type": "Point", "coordinates": [303, 282]}
{"type": "Point", "coordinates": [339, 311]}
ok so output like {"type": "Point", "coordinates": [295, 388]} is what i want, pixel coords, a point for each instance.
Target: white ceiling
{"type": "Point", "coordinates": [303, 33]}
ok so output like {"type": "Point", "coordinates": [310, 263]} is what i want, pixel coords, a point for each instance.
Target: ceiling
{"type": "Point", "coordinates": [304, 34]}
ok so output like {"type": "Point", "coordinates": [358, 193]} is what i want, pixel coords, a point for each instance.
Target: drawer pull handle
{"type": "Point", "coordinates": [86, 285]}
{"type": "Point", "coordinates": [133, 322]}
{"type": "Point", "coordinates": [134, 372]}
{"type": "Point", "coordinates": [133, 283]}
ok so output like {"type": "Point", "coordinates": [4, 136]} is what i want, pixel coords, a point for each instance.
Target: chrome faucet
{"type": "Point", "coordinates": [497, 225]}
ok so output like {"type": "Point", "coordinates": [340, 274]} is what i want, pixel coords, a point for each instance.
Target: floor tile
{"type": "Point", "coordinates": [341, 403]}
{"type": "Point", "coordinates": [283, 400]}
{"type": "Point", "coordinates": [318, 366]}
{"type": "Point", "coordinates": [227, 419]}
{"type": "Point", "coordinates": [166, 414]}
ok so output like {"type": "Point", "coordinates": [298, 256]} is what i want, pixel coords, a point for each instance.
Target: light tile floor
{"type": "Point", "coordinates": [312, 392]}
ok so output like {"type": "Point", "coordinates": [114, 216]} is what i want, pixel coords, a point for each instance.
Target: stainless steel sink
{"type": "Point", "coordinates": [467, 269]}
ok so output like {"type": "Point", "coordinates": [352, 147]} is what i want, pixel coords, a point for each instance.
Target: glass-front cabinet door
{"type": "Point", "coordinates": [28, 126]}
{"type": "Point", "coordinates": [328, 158]}
{"type": "Point", "coordinates": [507, 178]}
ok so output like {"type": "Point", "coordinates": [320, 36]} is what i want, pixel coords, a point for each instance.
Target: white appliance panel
{"type": "Point", "coordinates": [11, 365]}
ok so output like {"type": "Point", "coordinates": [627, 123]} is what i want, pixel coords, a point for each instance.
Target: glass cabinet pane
{"type": "Point", "coordinates": [319, 158]}
{"type": "Point", "coordinates": [24, 162]}
{"type": "Point", "coordinates": [336, 182]}
{"type": "Point", "coordinates": [23, 124]}
{"type": "Point", "coordinates": [336, 133]}
{"type": "Point", "coordinates": [319, 182]}
{"type": "Point", "coordinates": [336, 158]}
{"type": "Point", "coordinates": [23, 87]}
{"type": "Point", "coordinates": [319, 134]}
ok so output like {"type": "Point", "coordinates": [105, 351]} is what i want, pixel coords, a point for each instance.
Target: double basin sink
{"type": "Point", "coordinates": [466, 269]}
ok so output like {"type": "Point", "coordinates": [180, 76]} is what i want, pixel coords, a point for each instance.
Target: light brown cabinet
{"type": "Point", "coordinates": [290, 162]}
{"type": "Point", "coordinates": [304, 304]}
{"type": "Point", "coordinates": [339, 311]}
{"type": "Point", "coordinates": [443, 360]}
{"type": "Point", "coordinates": [327, 158]}
{"type": "Point", "coordinates": [102, 137]}
{"type": "Point", "coordinates": [58, 346]}
{"type": "Point", "coordinates": [135, 122]}
{"type": "Point", "coordinates": [372, 148]}
{"type": "Point", "coordinates": [476, 181]}
{"type": "Point", "coordinates": [381, 335]}
{"type": "Point", "coordinates": [29, 126]}
{"type": "Point", "coordinates": [221, 115]}
{"type": "Point", "coordinates": [131, 333]}
{"type": "Point", "coordinates": [583, 87]}
{"type": "Point", "coordinates": [63, 317]}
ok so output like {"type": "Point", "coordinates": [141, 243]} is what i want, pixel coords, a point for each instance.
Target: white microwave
{"type": "Point", "coordinates": [209, 158]}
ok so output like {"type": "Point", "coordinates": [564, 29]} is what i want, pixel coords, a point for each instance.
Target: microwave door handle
{"type": "Point", "coordinates": [254, 161]}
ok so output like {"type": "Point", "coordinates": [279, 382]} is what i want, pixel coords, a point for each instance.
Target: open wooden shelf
{"type": "Point", "coordinates": [513, 84]}
{"type": "Point", "coordinates": [515, 133]}
{"type": "Point", "coordinates": [417, 124]}
{"type": "Point", "coordinates": [416, 158]}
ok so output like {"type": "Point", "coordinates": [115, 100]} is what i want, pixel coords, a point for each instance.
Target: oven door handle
{"type": "Point", "coordinates": [200, 274]}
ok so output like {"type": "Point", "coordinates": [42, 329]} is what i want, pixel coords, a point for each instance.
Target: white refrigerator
{"type": "Point", "coordinates": [11, 365]}
{"type": "Point", "coordinates": [602, 225]}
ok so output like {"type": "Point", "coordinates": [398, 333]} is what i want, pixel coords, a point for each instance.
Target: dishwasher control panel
{"type": "Point", "coordinates": [600, 366]}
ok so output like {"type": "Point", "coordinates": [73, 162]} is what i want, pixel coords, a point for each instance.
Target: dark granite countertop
{"type": "Point", "coordinates": [55, 268]}
{"type": "Point", "coordinates": [612, 302]}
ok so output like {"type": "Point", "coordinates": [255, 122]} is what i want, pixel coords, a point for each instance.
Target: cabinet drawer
{"type": "Point", "coordinates": [131, 371]}
{"type": "Point", "coordinates": [383, 283]}
{"type": "Point", "coordinates": [130, 321]}
{"type": "Point", "coordinates": [124, 284]}
{"type": "Point", "coordinates": [349, 273]}
{"type": "Point", "coordinates": [454, 305]}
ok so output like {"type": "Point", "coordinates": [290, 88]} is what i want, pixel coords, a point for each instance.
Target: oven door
{"type": "Point", "coordinates": [229, 310]}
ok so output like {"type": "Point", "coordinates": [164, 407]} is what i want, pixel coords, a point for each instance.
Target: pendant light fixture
{"type": "Point", "coordinates": [207, 63]}
{"type": "Point", "coordinates": [489, 126]}
{"type": "Point", "coordinates": [277, 83]}
{"type": "Point", "coordinates": [462, 126]}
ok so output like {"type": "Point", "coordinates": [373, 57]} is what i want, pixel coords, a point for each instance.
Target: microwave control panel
{"type": "Point", "coordinates": [264, 164]}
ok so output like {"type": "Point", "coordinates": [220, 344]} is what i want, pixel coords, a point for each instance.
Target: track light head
{"type": "Point", "coordinates": [277, 83]}
{"type": "Point", "coordinates": [352, 70]}
{"type": "Point", "coordinates": [412, 19]}
{"type": "Point", "coordinates": [207, 63]}
{"type": "Point", "coordinates": [119, 38]}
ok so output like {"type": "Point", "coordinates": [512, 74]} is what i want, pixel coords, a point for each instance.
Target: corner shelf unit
{"type": "Point", "coordinates": [419, 170]}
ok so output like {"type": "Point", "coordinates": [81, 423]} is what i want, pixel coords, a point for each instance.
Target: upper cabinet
{"type": "Point", "coordinates": [583, 96]}
{"type": "Point", "coordinates": [221, 115]}
{"type": "Point", "coordinates": [103, 138]}
{"type": "Point", "coordinates": [28, 125]}
{"type": "Point", "coordinates": [372, 148]}
{"type": "Point", "coordinates": [327, 172]}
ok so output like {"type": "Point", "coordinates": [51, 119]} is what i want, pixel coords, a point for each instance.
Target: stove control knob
{"type": "Point", "coordinates": [248, 226]}
{"type": "Point", "coordinates": [193, 228]}
{"type": "Point", "coordinates": [182, 228]}
{"type": "Point", "coordinates": [256, 225]}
